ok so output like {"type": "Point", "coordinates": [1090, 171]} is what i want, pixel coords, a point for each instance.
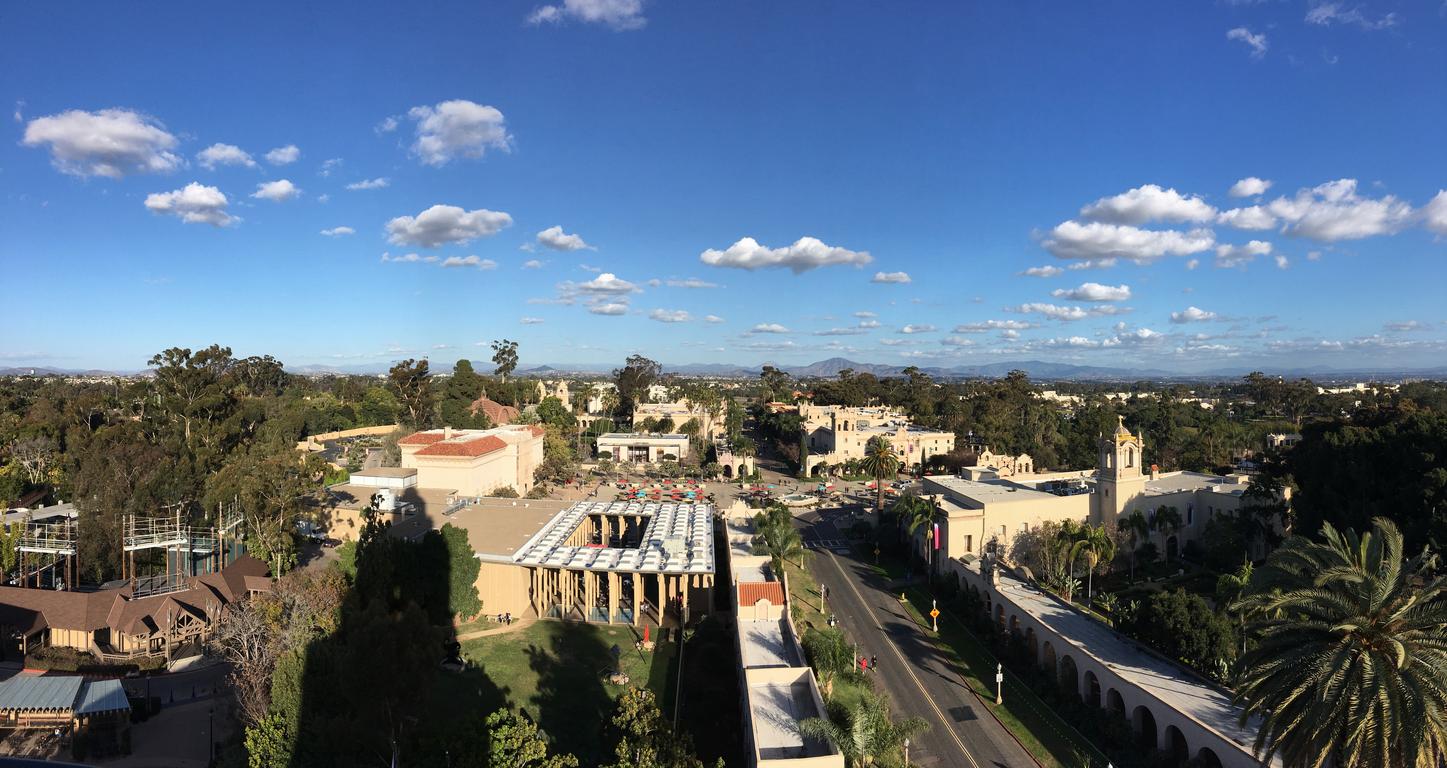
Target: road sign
{"type": "Point", "coordinates": [934, 613]}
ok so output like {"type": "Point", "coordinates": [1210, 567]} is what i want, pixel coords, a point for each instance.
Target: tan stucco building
{"type": "Point", "coordinates": [475, 462]}
{"type": "Point", "coordinates": [643, 448]}
{"type": "Point", "coordinates": [835, 434]}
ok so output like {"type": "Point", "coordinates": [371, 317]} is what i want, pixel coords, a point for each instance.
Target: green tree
{"type": "Point", "coordinates": [1184, 627]}
{"type": "Point", "coordinates": [1349, 663]}
{"type": "Point", "coordinates": [879, 462]}
{"type": "Point", "coordinates": [642, 738]}
{"type": "Point", "coordinates": [463, 388]}
{"type": "Point", "coordinates": [1097, 546]}
{"type": "Point", "coordinates": [462, 570]}
{"type": "Point", "coordinates": [505, 357]}
{"type": "Point", "coordinates": [410, 385]}
{"type": "Point", "coordinates": [830, 654]}
{"type": "Point", "coordinates": [633, 380]}
{"type": "Point", "coordinates": [378, 407]}
{"type": "Point", "coordinates": [514, 742]}
{"type": "Point", "coordinates": [273, 487]}
{"type": "Point", "coordinates": [269, 743]}
{"type": "Point", "coordinates": [865, 733]}
{"type": "Point", "coordinates": [554, 413]}
{"type": "Point", "coordinates": [915, 512]}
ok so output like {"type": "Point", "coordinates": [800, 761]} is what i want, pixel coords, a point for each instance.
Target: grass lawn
{"type": "Point", "coordinates": [1045, 735]}
{"type": "Point", "coordinates": [804, 595]}
{"type": "Point", "coordinates": [557, 672]}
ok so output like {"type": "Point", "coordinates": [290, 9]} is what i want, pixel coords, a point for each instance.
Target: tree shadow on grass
{"type": "Point", "coordinates": [571, 703]}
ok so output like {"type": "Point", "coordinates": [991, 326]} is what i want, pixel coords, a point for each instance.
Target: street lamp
{"type": "Point", "coordinates": [906, 753]}
{"type": "Point", "coordinates": [210, 735]}
{"type": "Point", "coordinates": [1000, 684]}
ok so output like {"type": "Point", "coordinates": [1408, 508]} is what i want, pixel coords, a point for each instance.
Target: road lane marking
{"type": "Point", "coordinates": [904, 663]}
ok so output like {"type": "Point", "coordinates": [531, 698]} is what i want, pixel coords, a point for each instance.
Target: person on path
{"type": "Point", "coordinates": [874, 662]}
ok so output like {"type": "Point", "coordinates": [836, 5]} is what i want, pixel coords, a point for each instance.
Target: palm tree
{"type": "Point", "coordinates": [1166, 520]}
{"type": "Point", "coordinates": [1070, 540]}
{"type": "Point", "coordinates": [1097, 546]}
{"type": "Point", "coordinates": [914, 513]}
{"type": "Point", "coordinates": [1229, 589]}
{"type": "Point", "coordinates": [864, 733]}
{"type": "Point", "coordinates": [831, 656]}
{"type": "Point", "coordinates": [1135, 526]}
{"type": "Point", "coordinates": [880, 461]}
{"type": "Point", "coordinates": [1349, 665]}
{"type": "Point", "coordinates": [777, 536]}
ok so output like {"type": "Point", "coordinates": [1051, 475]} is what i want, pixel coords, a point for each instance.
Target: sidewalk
{"type": "Point", "coordinates": [516, 625]}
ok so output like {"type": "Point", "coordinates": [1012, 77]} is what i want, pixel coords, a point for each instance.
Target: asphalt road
{"type": "Point", "coordinates": [920, 682]}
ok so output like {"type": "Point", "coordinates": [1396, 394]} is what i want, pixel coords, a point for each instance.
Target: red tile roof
{"type": "Point", "coordinates": [751, 592]}
{"type": "Point", "coordinates": [537, 431]}
{"type": "Point", "coordinates": [497, 413]}
{"type": "Point", "coordinates": [474, 448]}
{"type": "Point", "coordinates": [423, 438]}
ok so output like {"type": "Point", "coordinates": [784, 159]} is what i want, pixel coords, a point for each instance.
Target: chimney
{"type": "Point", "coordinates": [447, 433]}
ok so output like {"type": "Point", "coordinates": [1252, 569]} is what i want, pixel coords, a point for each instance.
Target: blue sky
{"type": "Point", "coordinates": [731, 182]}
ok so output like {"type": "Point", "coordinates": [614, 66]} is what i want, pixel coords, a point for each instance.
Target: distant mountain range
{"type": "Point", "coordinates": [830, 368]}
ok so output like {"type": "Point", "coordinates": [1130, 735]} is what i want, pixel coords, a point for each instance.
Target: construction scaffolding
{"type": "Point", "coordinates": [43, 546]}
{"type": "Point", "coordinates": [189, 550]}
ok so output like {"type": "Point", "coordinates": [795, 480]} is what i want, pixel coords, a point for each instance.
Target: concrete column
{"type": "Point", "coordinates": [590, 593]}
{"type": "Point", "coordinates": [612, 595]}
{"type": "Point", "coordinates": [637, 583]}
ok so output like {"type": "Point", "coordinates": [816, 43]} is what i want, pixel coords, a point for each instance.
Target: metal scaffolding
{"type": "Point", "coordinates": [189, 549]}
{"type": "Point", "coordinates": [51, 541]}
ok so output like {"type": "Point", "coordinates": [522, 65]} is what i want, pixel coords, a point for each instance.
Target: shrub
{"type": "Point", "coordinates": [504, 492]}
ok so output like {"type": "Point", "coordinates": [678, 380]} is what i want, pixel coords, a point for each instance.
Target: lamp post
{"type": "Point", "coordinates": [210, 735]}
{"type": "Point", "coordinates": [999, 683]}
{"type": "Point", "coordinates": [906, 753]}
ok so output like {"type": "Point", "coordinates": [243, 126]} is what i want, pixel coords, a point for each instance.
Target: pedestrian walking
{"type": "Point", "coordinates": [874, 662]}
{"type": "Point", "coordinates": [863, 664]}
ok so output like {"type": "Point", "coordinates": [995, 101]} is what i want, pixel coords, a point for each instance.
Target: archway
{"type": "Point", "coordinates": [1034, 646]}
{"type": "Point", "coordinates": [1014, 626]}
{"type": "Point", "coordinates": [1144, 724]}
{"type": "Point", "coordinates": [1207, 759]}
{"type": "Point", "coordinates": [1000, 616]}
{"type": "Point", "coordinates": [1069, 677]}
{"type": "Point", "coordinates": [1176, 745]}
{"type": "Point", "coordinates": [1092, 689]}
{"type": "Point", "coordinates": [818, 470]}
{"type": "Point", "coordinates": [1047, 660]}
{"type": "Point", "coordinates": [1114, 702]}
{"type": "Point", "coordinates": [728, 471]}
{"type": "Point", "coordinates": [743, 470]}
{"type": "Point", "coordinates": [1172, 548]}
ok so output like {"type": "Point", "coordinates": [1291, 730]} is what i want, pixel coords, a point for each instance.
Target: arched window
{"type": "Point", "coordinates": [1130, 457]}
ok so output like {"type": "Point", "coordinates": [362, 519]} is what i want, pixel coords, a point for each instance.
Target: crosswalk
{"type": "Point", "coordinates": [826, 544]}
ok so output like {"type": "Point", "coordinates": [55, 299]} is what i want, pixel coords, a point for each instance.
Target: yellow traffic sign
{"type": "Point", "coordinates": [934, 613]}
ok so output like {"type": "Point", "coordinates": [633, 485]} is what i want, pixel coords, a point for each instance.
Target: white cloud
{"type": "Point", "coordinates": [443, 224]}
{"type": "Point", "coordinates": [410, 258]}
{"type": "Point", "coordinates": [994, 325]}
{"type": "Point", "coordinates": [1228, 256]}
{"type": "Point", "coordinates": [1091, 264]}
{"type": "Point", "coordinates": [1192, 315]}
{"type": "Point", "coordinates": [1096, 240]}
{"type": "Point", "coordinates": [193, 204]}
{"type": "Point", "coordinates": [283, 155]}
{"type": "Point", "coordinates": [868, 323]}
{"type": "Point", "coordinates": [1326, 14]}
{"type": "Point", "coordinates": [377, 183]}
{"type": "Point", "coordinates": [339, 231]}
{"type": "Point", "coordinates": [224, 154]}
{"type": "Point", "coordinates": [553, 238]}
{"type": "Point", "coordinates": [328, 166]}
{"type": "Point", "coordinates": [1193, 263]}
{"type": "Point", "coordinates": [1249, 187]}
{"type": "Point", "coordinates": [1093, 292]}
{"type": "Point", "coordinates": [805, 254]}
{"type": "Point", "coordinates": [1056, 312]}
{"type": "Point", "coordinates": [606, 284]}
{"type": "Point", "coordinates": [1409, 325]}
{"type": "Point", "coordinates": [276, 191]}
{"type": "Point", "coordinates": [1148, 203]}
{"type": "Point", "coordinates": [1045, 271]}
{"type": "Point", "coordinates": [611, 308]}
{"type": "Point", "coordinates": [957, 341]}
{"type": "Point", "coordinates": [1434, 213]}
{"type": "Point", "coordinates": [855, 331]}
{"type": "Point", "coordinates": [713, 319]}
{"type": "Point", "coordinates": [1334, 211]}
{"type": "Point", "coordinates": [890, 277]}
{"type": "Point", "coordinates": [458, 129]}
{"type": "Point", "coordinates": [768, 328]}
{"type": "Point", "coordinates": [922, 328]}
{"type": "Point", "coordinates": [388, 124]}
{"type": "Point", "coordinates": [532, 264]}
{"type": "Point", "coordinates": [111, 143]}
{"type": "Point", "coordinates": [669, 316]}
{"type": "Point", "coordinates": [530, 320]}
{"type": "Point", "coordinates": [619, 14]}
{"type": "Point", "coordinates": [469, 261]}
{"type": "Point", "coordinates": [1252, 217]}
{"type": "Point", "coordinates": [864, 313]}
{"type": "Point", "coordinates": [1138, 337]}
{"type": "Point", "coordinates": [1282, 262]}
{"type": "Point", "coordinates": [1257, 42]}
{"type": "Point", "coordinates": [323, 197]}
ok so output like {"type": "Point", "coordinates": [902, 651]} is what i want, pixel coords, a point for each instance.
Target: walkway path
{"type": "Point", "coordinates": [516, 626]}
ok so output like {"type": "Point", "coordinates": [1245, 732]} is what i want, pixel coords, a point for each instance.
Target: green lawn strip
{"type": "Point", "coordinates": [557, 672]}
{"type": "Point", "coordinates": [804, 595]}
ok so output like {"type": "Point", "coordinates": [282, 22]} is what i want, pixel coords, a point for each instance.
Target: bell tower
{"type": "Point", "coordinates": [1119, 479]}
